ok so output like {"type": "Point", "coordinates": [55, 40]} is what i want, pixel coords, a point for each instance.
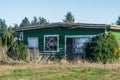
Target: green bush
{"type": "Point", "coordinates": [103, 48]}
{"type": "Point", "coordinates": [7, 38]}
{"type": "Point", "coordinates": [0, 41]}
{"type": "Point", "coordinates": [18, 51]}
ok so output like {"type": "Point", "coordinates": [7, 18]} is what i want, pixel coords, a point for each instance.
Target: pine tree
{"type": "Point", "coordinates": [42, 21]}
{"type": "Point", "coordinates": [3, 26]}
{"type": "Point", "coordinates": [69, 18]}
{"type": "Point", "coordinates": [34, 21]}
{"type": "Point", "coordinates": [25, 22]}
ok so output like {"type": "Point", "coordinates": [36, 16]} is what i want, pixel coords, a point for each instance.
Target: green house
{"type": "Point", "coordinates": [61, 38]}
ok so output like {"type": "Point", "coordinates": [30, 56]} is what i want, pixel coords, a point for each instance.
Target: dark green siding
{"type": "Point", "coordinates": [58, 31]}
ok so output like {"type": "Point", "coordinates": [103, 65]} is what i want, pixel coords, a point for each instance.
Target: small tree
{"type": "Point", "coordinates": [104, 48]}
{"type": "Point", "coordinates": [7, 38]}
{"type": "Point", "coordinates": [18, 51]}
{"type": "Point", "coordinates": [69, 18]}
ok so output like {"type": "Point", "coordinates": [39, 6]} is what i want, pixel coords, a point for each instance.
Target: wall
{"type": "Point", "coordinates": [58, 31]}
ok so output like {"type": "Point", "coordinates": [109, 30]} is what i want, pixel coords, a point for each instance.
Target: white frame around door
{"type": "Point", "coordinates": [72, 36]}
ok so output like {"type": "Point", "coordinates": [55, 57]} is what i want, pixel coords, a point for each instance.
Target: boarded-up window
{"type": "Point", "coordinates": [51, 43]}
{"type": "Point", "coordinates": [32, 42]}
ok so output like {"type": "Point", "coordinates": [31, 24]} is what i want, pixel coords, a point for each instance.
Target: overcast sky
{"type": "Point", "coordinates": [84, 11]}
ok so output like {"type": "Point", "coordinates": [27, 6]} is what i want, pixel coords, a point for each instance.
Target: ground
{"type": "Point", "coordinates": [60, 71]}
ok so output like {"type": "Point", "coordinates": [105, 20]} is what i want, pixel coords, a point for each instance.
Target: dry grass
{"type": "Point", "coordinates": [58, 65]}
{"type": "Point", "coordinates": [62, 70]}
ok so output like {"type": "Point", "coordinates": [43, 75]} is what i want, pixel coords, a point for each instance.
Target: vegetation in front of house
{"type": "Point", "coordinates": [103, 48]}
{"type": "Point", "coordinates": [18, 51]}
{"type": "Point", "coordinates": [8, 38]}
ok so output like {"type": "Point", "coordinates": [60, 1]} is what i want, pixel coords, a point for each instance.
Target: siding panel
{"type": "Point", "coordinates": [58, 31]}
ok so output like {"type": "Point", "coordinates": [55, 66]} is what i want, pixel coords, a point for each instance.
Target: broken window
{"type": "Point", "coordinates": [51, 43]}
{"type": "Point", "coordinates": [76, 45]}
{"type": "Point", "coordinates": [80, 44]}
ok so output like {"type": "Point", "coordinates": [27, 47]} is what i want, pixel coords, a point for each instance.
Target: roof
{"type": "Point", "coordinates": [114, 27]}
{"type": "Point", "coordinates": [68, 25]}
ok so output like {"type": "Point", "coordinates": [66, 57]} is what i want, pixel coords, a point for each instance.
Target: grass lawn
{"type": "Point", "coordinates": [21, 72]}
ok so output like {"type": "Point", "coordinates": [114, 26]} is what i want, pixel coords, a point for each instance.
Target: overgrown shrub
{"type": "Point", "coordinates": [7, 38]}
{"type": "Point", "coordinates": [18, 51]}
{"type": "Point", "coordinates": [104, 48]}
{"type": "Point", "coordinates": [0, 41]}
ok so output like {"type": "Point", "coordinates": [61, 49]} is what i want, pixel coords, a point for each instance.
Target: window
{"type": "Point", "coordinates": [33, 42]}
{"type": "Point", "coordinates": [51, 43]}
{"type": "Point", "coordinates": [77, 43]}
{"type": "Point", "coordinates": [80, 44]}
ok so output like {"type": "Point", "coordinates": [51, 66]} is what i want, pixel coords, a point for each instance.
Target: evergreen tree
{"type": "Point", "coordinates": [118, 21]}
{"type": "Point", "coordinates": [3, 26]}
{"type": "Point", "coordinates": [15, 26]}
{"type": "Point", "coordinates": [103, 48]}
{"type": "Point", "coordinates": [69, 18]}
{"type": "Point", "coordinates": [10, 29]}
{"type": "Point", "coordinates": [25, 22]}
{"type": "Point", "coordinates": [42, 21]}
{"type": "Point", "coordinates": [34, 21]}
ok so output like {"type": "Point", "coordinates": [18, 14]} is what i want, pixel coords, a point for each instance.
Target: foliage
{"type": "Point", "coordinates": [118, 21]}
{"type": "Point", "coordinates": [7, 38]}
{"type": "Point", "coordinates": [104, 48]}
{"type": "Point", "coordinates": [25, 22]}
{"type": "Point", "coordinates": [34, 21]}
{"type": "Point", "coordinates": [3, 25]}
{"type": "Point", "coordinates": [0, 41]}
{"type": "Point", "coordinates": [42, 21]}
{"type": "Point", "coordinates": [10, 29]}
{"type": "Point", "coordinates": [15, 26]}
{"type": "Point", "coordinates": [69, 18]}
{"type": "Point", "coordinates": [39, 21]}
{"type": "Point", "coordinates": [18, 51]}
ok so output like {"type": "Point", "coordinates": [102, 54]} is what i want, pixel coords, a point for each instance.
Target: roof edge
{"type": "Point", "coordinates": [75, 25]}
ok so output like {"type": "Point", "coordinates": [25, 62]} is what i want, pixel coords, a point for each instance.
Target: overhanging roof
{"type": "Point", "coordinates": [67, 25]}
{"type": "Point", "coordinates": [115, 27]}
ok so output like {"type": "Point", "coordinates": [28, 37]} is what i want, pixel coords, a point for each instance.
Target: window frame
{"type": "Point", "coordinates": [76, 36]}
{"type": "Point", "coordinates": [57, 43]}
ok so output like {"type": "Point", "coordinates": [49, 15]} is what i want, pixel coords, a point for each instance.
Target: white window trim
{"type": "Point", "coordinates": [57, 43]}
{"type": "Point", "coordinates": [72, 36]}
{"type": "Point", "coordinates": [34, 37]}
